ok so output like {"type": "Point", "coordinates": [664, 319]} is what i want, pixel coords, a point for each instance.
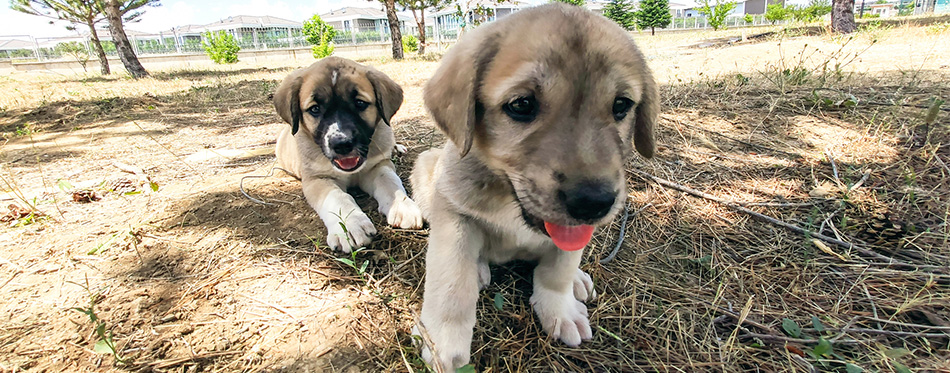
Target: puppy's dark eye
{"type": "Point", "coordinates": [361, 105]}
{"type": "Point", "coordinates": [522, 109]}
{"type": "Point", "coordinates": [314, 110]}
{"type": "Point", "coordinates": [621, 106]}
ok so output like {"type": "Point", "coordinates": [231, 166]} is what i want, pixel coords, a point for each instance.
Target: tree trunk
{"type": "Point", "coordinates": [394, 29]}
{"type": "Point", "coordinates": [121, 40]}
{"type": "Point", "coordinates": [421, 22]}
{"type": "Point", "coordinates": [101, 54]}
{"type": "Point", "coordinates": [842, 16]}
{"type": "Point", "coordinates": [652, 31]}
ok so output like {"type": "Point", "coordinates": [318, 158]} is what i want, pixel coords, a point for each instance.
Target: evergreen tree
{"type": "Point", "coordinates": [653, 14]}
{"type": "Point", "coordinates": [621, 11]}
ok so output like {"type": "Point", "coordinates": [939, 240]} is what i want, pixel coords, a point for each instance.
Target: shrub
{"type": "Point", "coordinates": [320, 35]}
{"type": "Point", "coordinates": [815, 10]}
{"type": "Point", "coordinates": [220, 46]}
{"type": "Point", "coordinates": [776, 12]}
{"type": "Point", "coordinates": [748, 19]}
{"type": "Point", "coordinates": [76, 50]}
{"type": "Point", "coordinates": [410, 43]}
{"type": "Point", "coordinates": [716, 14]}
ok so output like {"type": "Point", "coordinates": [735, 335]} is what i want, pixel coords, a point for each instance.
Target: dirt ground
{"type": "Point", "coordinates": [125, 205]}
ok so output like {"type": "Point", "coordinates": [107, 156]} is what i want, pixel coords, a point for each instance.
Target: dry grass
{"type": "Point", "coordinates": [194, 277]}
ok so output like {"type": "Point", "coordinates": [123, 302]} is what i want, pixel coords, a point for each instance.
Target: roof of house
{"type": "Point", "coordinates": [251, 21]}
{"type": "Point", "coordinates": [14, 44]}
{"type": "Point", "coordinates": [349, 13]}
{"type": "Point", "coordinates": [106, 34]}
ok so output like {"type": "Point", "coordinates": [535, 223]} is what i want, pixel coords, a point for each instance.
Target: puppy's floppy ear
{"type": "Point", "coordinates": [287, 101]}
{"type": "Point", "coordinates": [647, 112]}
{"type": "Point", "coordinates": [451, 95]}
{"type": "Point", "coordinates": [388, 94]}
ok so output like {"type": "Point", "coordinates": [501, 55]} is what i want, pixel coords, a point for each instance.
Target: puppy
{"type": "Point", "coordinates": [541, 108]}
{"type": "Point", "coordinates": [339, 137]}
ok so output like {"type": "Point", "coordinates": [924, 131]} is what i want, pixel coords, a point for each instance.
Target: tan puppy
{"type": "Point", "coordinates": [541, 109]}
{"type": "Point", "coordinates": [339, 137]}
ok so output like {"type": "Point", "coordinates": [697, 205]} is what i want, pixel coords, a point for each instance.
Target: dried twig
{"type": "Point", "coordinates": [427, 342]}
{"type": "Point", "coordinates": [784, 339]}
{"type": "Point", "coordinates": [623, 229]}
{"type": "Point", "coordinates": [769, 219]}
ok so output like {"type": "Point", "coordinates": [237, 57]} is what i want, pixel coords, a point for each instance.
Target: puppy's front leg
{"type": "Point", "coordinates": [348, 227]}
{"type": "Point", "coordinates": [451, 287]}
{"type": "Point", "coordinates": [385, 186]}
{"type": "Point", "coordinates": [562, 315]}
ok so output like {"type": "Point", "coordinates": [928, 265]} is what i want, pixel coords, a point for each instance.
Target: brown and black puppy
{"type": "Point", "coordinates": [339, 136]}
{"type": "Point", "coordinates": [541, 108]}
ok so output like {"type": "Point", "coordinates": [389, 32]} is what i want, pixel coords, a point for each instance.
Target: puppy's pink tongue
{"type": "Point", "coordinates": [569, 238]}
{"type": "Point", "coordinates": [348, 162]}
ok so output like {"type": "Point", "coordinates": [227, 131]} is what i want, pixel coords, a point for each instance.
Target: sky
{"type": "Point", "coordinates": [179, 12]}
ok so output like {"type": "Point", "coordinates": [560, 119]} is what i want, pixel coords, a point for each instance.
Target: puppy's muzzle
{"type": "Point", "coordinates": [343, 151]}
{"type": "Point", "coordinates": [588, 200]}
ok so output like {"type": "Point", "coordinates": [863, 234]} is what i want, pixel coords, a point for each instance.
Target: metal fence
{"type": "Point", "coordinates": [25, 48]}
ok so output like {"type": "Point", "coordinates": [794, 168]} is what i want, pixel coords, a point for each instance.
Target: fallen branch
{"type": "Point", "coordinates": [769, 219]}
{"type": "Point", "coordinates": [623, 229]}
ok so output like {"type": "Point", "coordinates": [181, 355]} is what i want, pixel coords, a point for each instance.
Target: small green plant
{"type": "Point", "coordinates": [24, 130]}
{"type": "Point", "coordinates": [410, 43]}
{"type": "Point", "coordinates": [938, 28]}
{"type": "Point", "coordinates": [320, 35]}
{"type": "Point", "coordinates": [105, 344]}
{"type": "Point", "coordinates": [220, 46]}
{"type": "Point", "coordinates": [748, 19]}
{"type": "Point", "coordinates": [352, 262]}
{"type": "Point", "coordinates": [716, 13]}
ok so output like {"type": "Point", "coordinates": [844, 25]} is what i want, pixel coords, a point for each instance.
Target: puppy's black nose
{"type": "Point", "coordinates": [341, 145]}
{"type": "Point", "coordinates": [588, 200]}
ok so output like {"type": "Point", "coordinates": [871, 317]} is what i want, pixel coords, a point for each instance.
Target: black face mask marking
{"type": "Point", "coordinates": [342, 134]}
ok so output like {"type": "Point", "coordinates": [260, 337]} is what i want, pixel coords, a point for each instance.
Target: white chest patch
{"type": "Point", "coordinates": [333, 77]}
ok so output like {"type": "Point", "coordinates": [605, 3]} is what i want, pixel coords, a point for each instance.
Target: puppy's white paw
{"type": "Point", "coordinates": [400, 149]}
{"type": "Point", "coordinates": [484, 275]}
{"type": "Point", "coordinates": [562, 316]}
{"type": "Point", "coordinates": [583, 286]}
{"type": "Point", "coordinates": [404, 213]}
{"type": "Point", "coordinates": [451, 355]}
{"type": "Point", "coordinates": [358, 232]}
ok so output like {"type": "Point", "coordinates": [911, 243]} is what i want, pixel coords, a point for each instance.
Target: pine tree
{"type": "Point", "coordinates": [653, 14]}
{"type": "Point", "coordinates": [621, 11]}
